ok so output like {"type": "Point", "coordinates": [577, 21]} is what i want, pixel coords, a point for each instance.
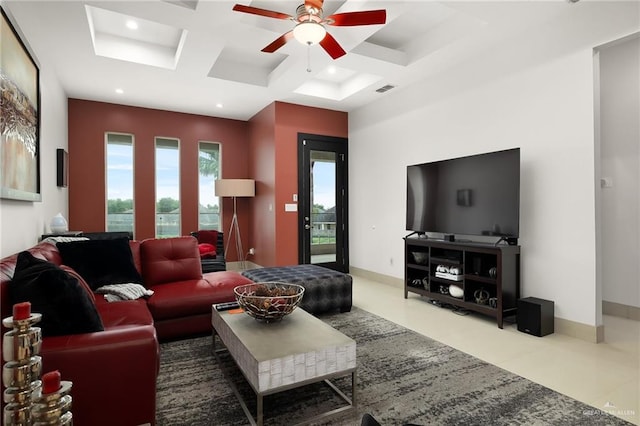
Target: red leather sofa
{"type": "Point", "coordinates": [114, 371]}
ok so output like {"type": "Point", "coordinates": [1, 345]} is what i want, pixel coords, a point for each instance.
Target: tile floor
{"type": "Point", "coordinates": [606, 376]}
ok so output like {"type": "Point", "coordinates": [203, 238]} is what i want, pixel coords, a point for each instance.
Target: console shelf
{"type": "Point", "coordinates": [490, 274]}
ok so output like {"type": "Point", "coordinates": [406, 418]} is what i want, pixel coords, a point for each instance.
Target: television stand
{"type": "Point", "coordinates": [489, 275]}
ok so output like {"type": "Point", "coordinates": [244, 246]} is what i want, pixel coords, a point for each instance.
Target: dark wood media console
{"type": "Point", "coordinates": [488, 274]}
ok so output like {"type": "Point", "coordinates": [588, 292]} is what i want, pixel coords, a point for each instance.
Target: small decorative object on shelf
{"type": "Point", "coordinates": [23, 365]}
{"type": "Point", "coordinates": [269, 301]}
{"type": "Point", "coordinates": [53, 405]}
{"type": "Point", "coordinates": [481, 296]}
{"type": "Point", "coordinates": [415, 282]}
{"type": "Point", "coordinates": [493, 272]}
{"type": "Point", "coordinates": [456, 291]}
{"type": "Point", "coordinates": [420, 257]}
{"type": "Point", "coordinates": [425, 283]}
{"type": "Point", "coordinates": [453, 273]}
{"type": "Point", "coordinates": [59, 224]}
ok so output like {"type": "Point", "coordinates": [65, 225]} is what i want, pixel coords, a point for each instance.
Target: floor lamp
{"type": "Point", "coordinates": [235, 188]}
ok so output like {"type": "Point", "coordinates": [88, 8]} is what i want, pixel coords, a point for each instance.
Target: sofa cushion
{"type": "Point", "coordinates": [65, 306]}
{"type": "Point", "coordinates": [170, 260]}
{"type": "Point", "coordinates": [193, 297]}
{"type": "Point", "coordinates": [101, 262]}
{"type": "Point", "coordinates": [123, 313]}
{"type": "Point", "coordinates": [207, 250]}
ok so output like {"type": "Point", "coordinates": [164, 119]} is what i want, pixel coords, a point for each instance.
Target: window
{"type": "Point", "coordinates": [209, 168]}
{"type": "Point", "coordinates": [120, 206]}
{"type": "Point", "coordinates": [167, 188]}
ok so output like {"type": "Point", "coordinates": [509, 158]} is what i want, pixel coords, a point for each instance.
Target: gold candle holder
{"type": "Point", "coordinates": [54, 408]}
{"type": "Point", "coordinates": [23, 366]}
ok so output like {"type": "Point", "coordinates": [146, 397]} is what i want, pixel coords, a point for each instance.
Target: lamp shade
{"type": "Point", "coordinates": [235, 188]}
{"type": "Point", "coordinates": [309, 32]}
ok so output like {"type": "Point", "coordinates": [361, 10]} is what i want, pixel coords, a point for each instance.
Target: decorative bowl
{"type": "Point", "coordinates": [456, 291]}
{"type": "Point", "coordinates": [420, 257]}
{"type": "Point", "coordinates": [269, 301]}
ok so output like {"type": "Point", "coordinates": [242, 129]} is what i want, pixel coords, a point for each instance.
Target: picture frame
{"type": "Point", "coordinates": [19, 117]}
{"type": "Point", "coordinates": [62, 167]}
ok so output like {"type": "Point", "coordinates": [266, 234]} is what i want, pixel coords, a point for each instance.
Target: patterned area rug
{"type": "Point", "coordinates": [403, 377]}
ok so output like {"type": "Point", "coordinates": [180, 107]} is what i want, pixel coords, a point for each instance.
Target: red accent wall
{"type": "Point", "coordinates": [264, 148]}
{"type": "Point", "coordinates": [262, 161]}
{"type": "Point", "coordinates": [88, 123]}
{"type": "Point", "coordinates": [274, 133]}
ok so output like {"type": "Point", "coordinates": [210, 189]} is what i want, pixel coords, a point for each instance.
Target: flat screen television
{"type": "Point", "coordinates": [474, 195]}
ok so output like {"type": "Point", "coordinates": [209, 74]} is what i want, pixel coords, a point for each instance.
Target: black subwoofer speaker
{"type": "Point", "coordinates": [535, 316]}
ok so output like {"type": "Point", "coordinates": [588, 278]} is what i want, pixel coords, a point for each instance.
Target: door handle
{"type": "Point", "coordinates": [307, 226]}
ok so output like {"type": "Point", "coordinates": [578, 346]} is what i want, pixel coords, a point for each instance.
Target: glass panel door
{"type": "Point", "coordinates": [322, 202]}
{"type": "Point", "coordinates": [323, 206]}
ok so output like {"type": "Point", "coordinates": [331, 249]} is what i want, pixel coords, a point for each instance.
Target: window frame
{"type": "Point", "coordinates": [155, 188]}
{"type": "Point", "coordinates": [133, 177]}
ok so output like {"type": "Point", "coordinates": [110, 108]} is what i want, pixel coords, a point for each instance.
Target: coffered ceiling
{"type": "Point", "coordinates": [199, 56]}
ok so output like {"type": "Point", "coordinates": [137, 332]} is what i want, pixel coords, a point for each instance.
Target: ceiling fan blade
{"type": "Point", "coordinates": [366, 17]}
{"type": "Point", "coordinates": [279, 42]}
{"type": "Point", "coordinates": [331, 46]}
{"type": "Point", "coordinates": [261, 12]}
{"type": "Point", "coordinates": [313, 4]}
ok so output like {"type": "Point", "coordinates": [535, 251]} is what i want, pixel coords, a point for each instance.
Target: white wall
{"type": "Point", "coordinates": [22, 222]}
{"type": "Point", "coordinates": [620, 155]}
{"type": "Point", "coordinates": [540, 100]}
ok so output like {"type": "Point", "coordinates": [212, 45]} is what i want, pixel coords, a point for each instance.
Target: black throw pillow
{"type": "Point", "coordinates": [101, 262]}
{"type": "Point", "coordinates": [65, 306]}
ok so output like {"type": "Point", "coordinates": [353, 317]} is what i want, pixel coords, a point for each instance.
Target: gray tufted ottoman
{"type": "Point", "coordinates": [324, 289]}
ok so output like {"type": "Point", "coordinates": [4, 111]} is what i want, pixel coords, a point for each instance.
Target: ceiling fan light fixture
{"type": "Point", "coordinates": [309, 32]}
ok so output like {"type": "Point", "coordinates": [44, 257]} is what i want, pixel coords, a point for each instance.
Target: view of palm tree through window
{"type": "Point", "coordinates": [120, 184]}
{"type": "Point", "coordinates": [209, 166]}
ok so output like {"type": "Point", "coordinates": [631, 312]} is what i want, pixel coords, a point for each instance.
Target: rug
{"type": "Point", "coordinates": [403, 377]}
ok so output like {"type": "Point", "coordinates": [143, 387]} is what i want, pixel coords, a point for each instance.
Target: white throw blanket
{"type": "Point", "coordinates": [126, 291]}
{"type": "Point", "coordinates": [62, 239]}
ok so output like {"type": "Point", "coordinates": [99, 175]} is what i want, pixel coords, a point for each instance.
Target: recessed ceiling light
{"type": "Point", "coordinates": [132, 25]}
{"type": "Point", "coordinates": [219, 105]}
{"type": "Point", "coordinates": [332, 70]}
{"type": "Point", "coordinates": [119, 91]}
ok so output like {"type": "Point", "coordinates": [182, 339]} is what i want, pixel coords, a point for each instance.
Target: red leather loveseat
{"type": "Point", "coordinates": [114, 371]}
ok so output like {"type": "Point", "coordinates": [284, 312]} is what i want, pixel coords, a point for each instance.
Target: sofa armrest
{"type": "Point", "coordinates": [117, 367]}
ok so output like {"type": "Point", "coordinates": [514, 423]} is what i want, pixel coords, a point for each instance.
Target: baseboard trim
{"type": "Point", "coordinates": [619, 310]}
{"type": "Point", "coordinates": [589, 333]}
{"type": "Point", "coordinates": [237, 266]}
{"type": "Point", "coordinates": [374, 276]}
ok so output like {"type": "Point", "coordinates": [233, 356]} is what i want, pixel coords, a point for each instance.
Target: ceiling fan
{"type": "Point", "coordinates": [310, 28]}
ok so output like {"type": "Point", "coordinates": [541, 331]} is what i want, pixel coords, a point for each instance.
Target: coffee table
{"type": "Point", "coordinates": [296, 351]}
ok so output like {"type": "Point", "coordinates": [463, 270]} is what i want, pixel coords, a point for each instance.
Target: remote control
{"type": "Point", "coordinates": [227, 306]}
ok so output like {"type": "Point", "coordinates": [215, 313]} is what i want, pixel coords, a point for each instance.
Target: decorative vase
{"type": "Point", "coordinates": [59, 224]}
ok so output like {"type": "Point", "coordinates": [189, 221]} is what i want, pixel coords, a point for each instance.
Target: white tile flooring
{"type": "Point", "coordinates": [605, 376]}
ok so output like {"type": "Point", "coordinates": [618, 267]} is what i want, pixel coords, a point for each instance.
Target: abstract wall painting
{"type": "Point", "coordinates": [20, 118]}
